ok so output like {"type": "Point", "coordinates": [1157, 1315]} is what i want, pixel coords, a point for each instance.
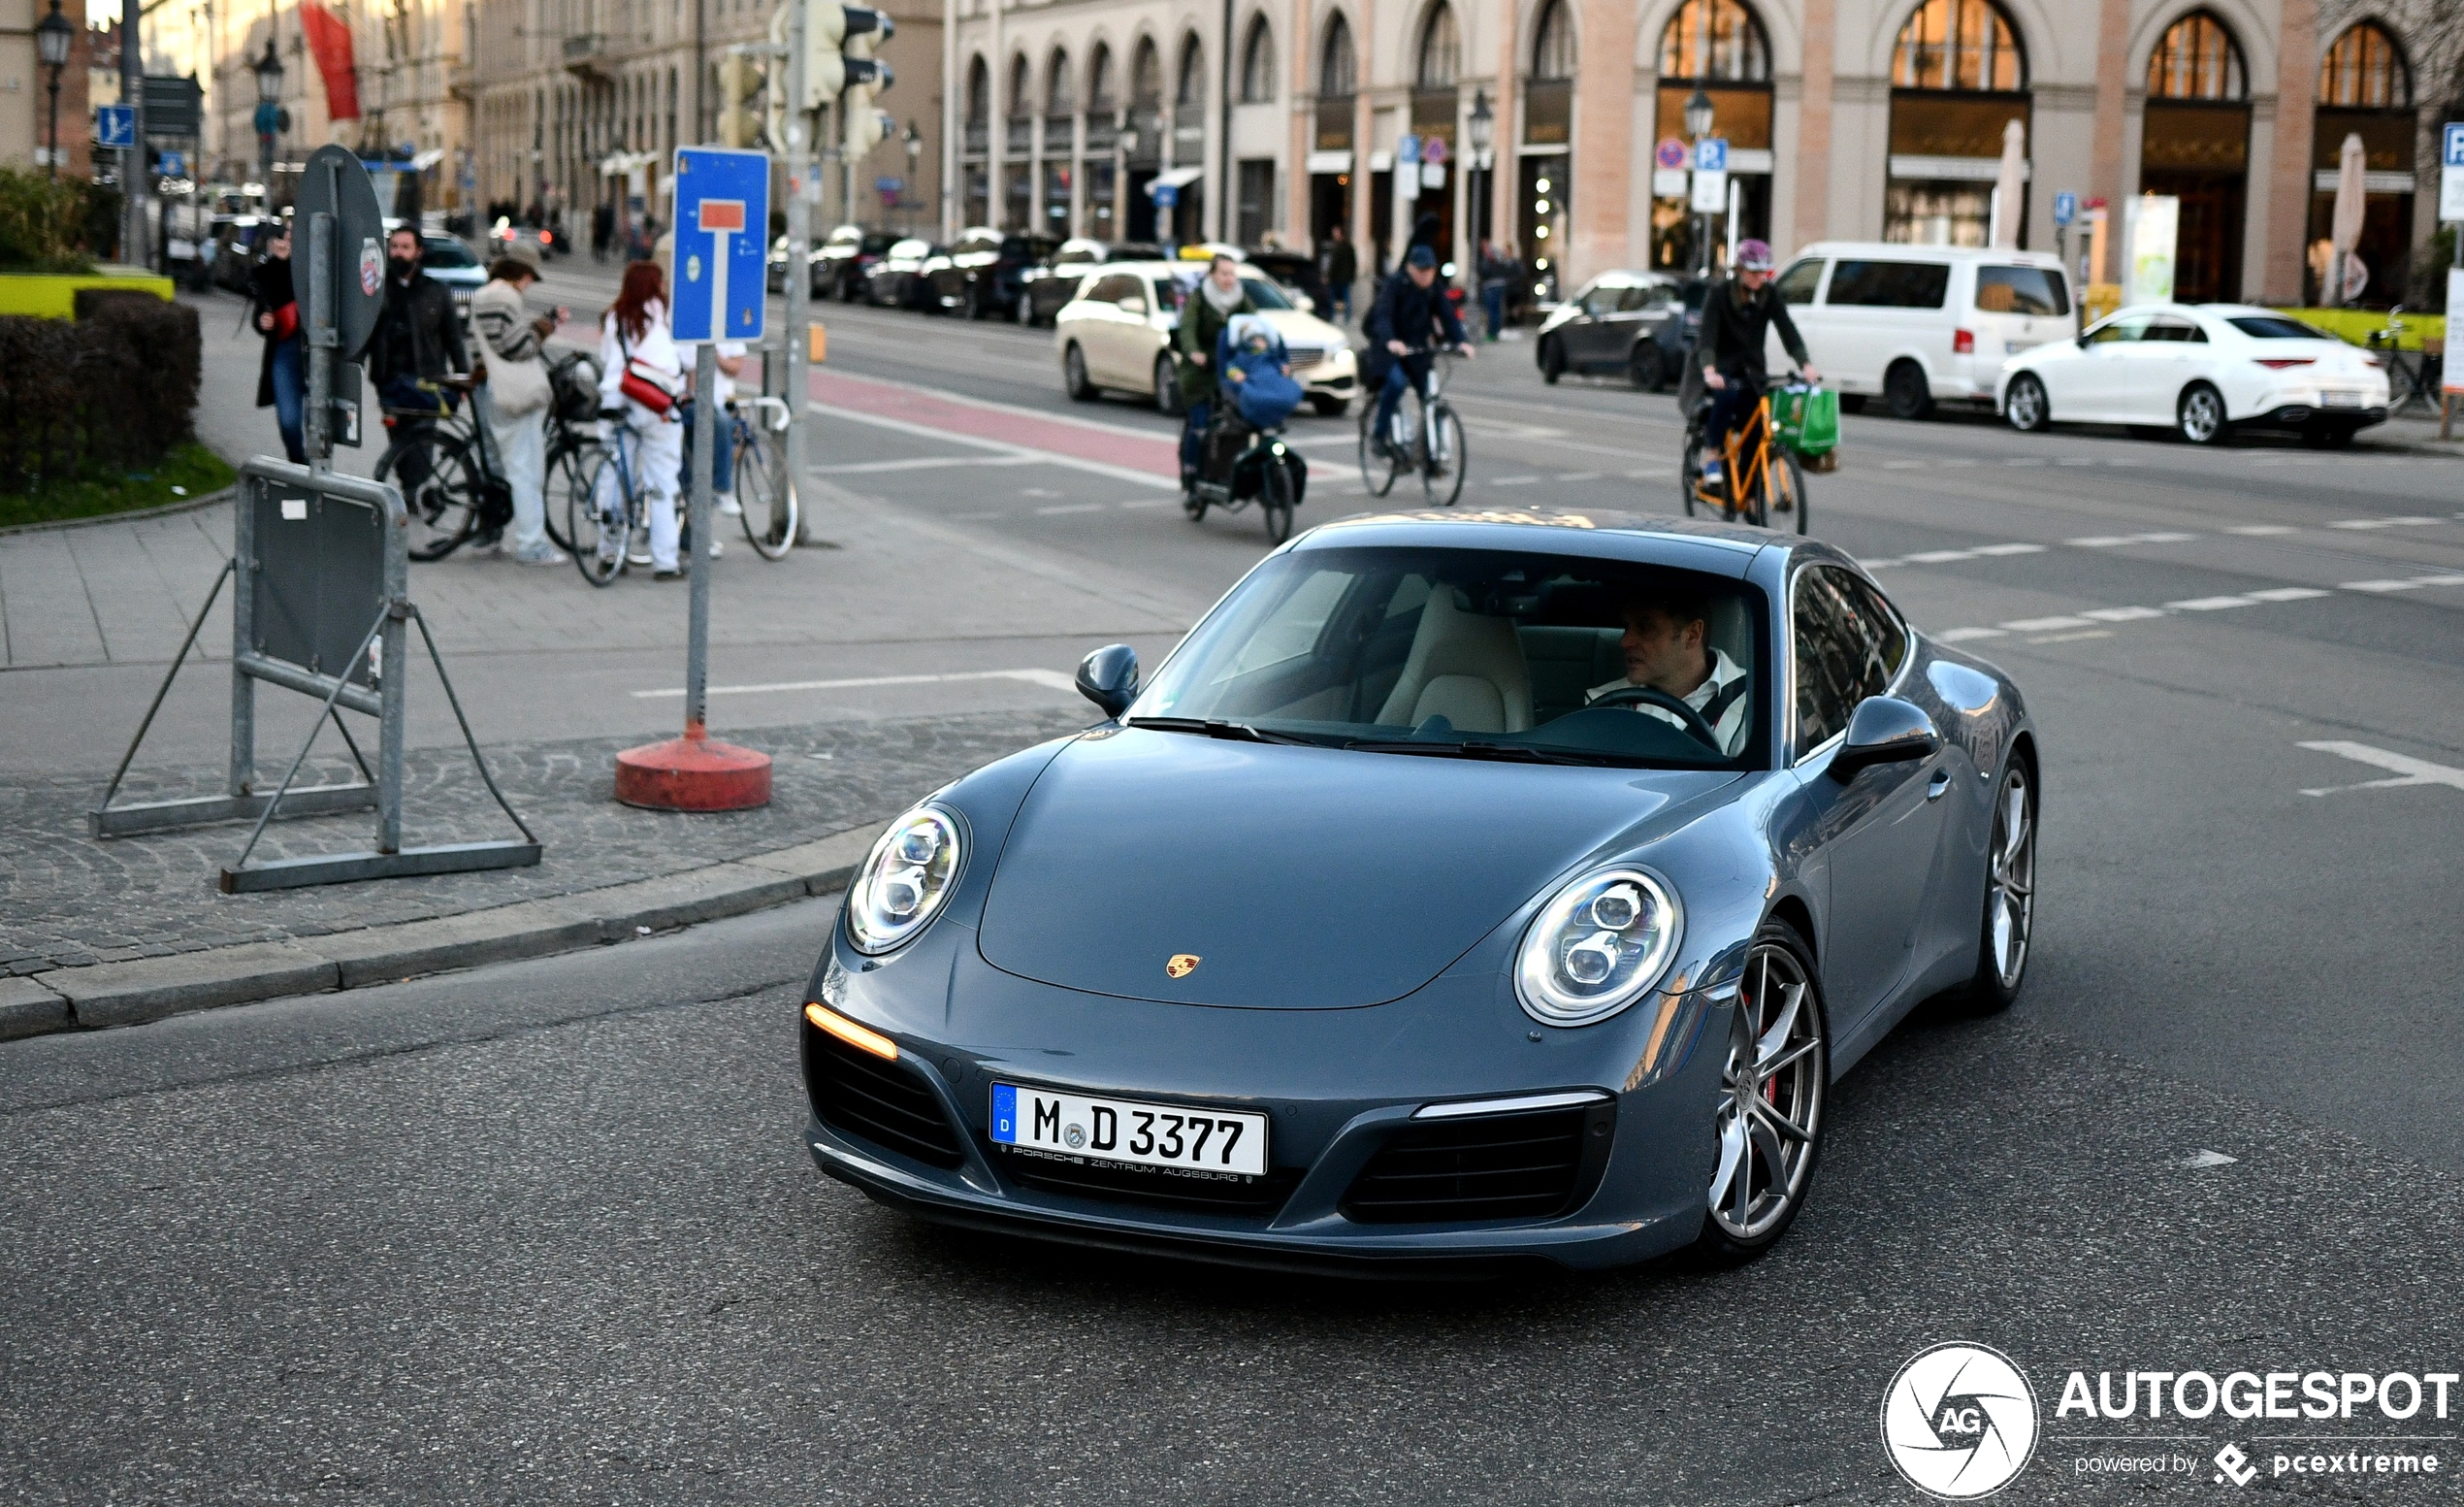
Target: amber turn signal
{"type": "Point", "coordinates": [849, 1032]}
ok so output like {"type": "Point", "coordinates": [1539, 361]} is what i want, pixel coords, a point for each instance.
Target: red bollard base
{"type": "Point", "coordinates": [692, 773]}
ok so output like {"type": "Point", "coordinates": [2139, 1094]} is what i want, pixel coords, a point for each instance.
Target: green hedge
{"type": "Point", "coordinates": [98, 398]}
{"type": "Point", "coordinates": [53, 224]}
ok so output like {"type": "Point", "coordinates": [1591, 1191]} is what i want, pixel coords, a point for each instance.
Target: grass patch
{"type": "Point", "coordinates": [188, 472]}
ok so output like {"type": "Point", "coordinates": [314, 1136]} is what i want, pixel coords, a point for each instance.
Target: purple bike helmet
{"type": "Point", "coordinates": [1753, 257]}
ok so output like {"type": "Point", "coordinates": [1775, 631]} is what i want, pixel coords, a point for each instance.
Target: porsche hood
{"type": "Point", "coordinates": [1296, 878]}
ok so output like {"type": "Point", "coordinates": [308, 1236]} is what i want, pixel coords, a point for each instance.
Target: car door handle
{"type": "Point", "coordinates": [1940, 782]}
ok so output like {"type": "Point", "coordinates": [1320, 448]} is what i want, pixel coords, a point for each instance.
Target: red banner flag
{"type": "Point", "coordinates": [329, 37]}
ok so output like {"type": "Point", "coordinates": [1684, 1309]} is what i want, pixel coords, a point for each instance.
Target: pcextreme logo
{"type": "Point", "coordinates": [1960, 1422]}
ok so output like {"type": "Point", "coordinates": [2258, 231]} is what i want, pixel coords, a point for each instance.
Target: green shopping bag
{"type": "Point", "coordinates": [1817, 425]}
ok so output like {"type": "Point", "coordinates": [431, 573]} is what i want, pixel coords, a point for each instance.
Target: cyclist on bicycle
{"type": "Point", "coordinates": [417, 342]}
{"type": "Point", "coordinates": [1411, 315]}
{"type": "Point", "coordinates": [1736, 315]}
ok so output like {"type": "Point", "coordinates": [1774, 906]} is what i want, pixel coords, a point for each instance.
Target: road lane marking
{"type": "Point", "coordinates": [2403, 522]}
{"type": "Point", "coordinates": [925, 463]}
{"type": "Point", "coordinates": [2116, 541]}
{"type": "Point", "coordinates": [1049, 512]}
{"type": "Point", "coordinates": [2406, 583]}
{"type": "Point", "coordinates": [2123, 614]}
{"type": "Point", "coordinates": [1052, 679]}
{"type": "Point", "coordinates": [2409, 770]}
{"type": "Point", "coordinates": [1021, 453]}
{"type": "Point", "coordinates": [2262, 530]}
{"type": "Point", "coordinates": [2288, 594]}
{"type": "Point", "coordinates": [2208, 603]}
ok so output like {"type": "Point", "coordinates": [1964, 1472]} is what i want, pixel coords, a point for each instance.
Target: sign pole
{"type": "Point", "coordinates": [705, 389]}
{"type": "Point", "coordinates": [322, 340]}
{"type": "Point", "coordinates": [801, 189]}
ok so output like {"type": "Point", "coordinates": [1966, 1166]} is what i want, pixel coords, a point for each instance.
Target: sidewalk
{"type": "Point", "coordinates": [100, 934]}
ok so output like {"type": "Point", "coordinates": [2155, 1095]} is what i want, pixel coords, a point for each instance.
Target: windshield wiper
{"type": "Point", "coordinates": [1216, 727]}
{"type": "Point", "coordinates": [1501, 753]}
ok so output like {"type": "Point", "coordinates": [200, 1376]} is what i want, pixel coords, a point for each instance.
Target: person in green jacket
{"type": "Point", "coordinates": [1204, 313]}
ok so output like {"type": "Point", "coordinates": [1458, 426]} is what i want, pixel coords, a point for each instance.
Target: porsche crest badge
{"type": "Point", "coordinates": [1180, 964]}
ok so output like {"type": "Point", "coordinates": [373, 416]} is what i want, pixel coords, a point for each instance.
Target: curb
{"type": "Point", "coordinates": [185, 505]}
{"type": "Point", "coordinates": [105, 994]}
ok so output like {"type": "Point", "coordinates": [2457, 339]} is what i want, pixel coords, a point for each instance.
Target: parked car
{"type": "Point", "coordinates": [984, 271]}
{"type": "Point", "coordinates": [1045, 286]}
{"type": "Point", "coordinates": [842, 261]}
{"type": "Point", "coordinates": [1641, 323]}
{"type": "Point", "coordinates": [542, 241]}
{"type": "Point", "coordinates": [239, 240]}
{"type": "Point", "coordinates": [1114, 337]}
{"type": "Point", "coordinates": [895, 281]}
{"type": "Point", "coordinates": [1921, 324]}
{"type": "Point", "coordinates": [1575, 982]}
{"type": "Point", "coordinates": [447, 260]}
{"type": "Point", "coordinates": [2200, 370]}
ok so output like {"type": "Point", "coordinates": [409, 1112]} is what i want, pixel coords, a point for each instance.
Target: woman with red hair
{"type": "Point", "coordinates": [638, 366]}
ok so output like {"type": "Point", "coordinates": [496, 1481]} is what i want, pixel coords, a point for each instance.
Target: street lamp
{"type": "Point", "coordinates": [1483, 127]}
{"type": "Point", "coordinates": [1698, 126]}
{"type": "Point", "coordinates": [52, 38]}
{"type": "Point", "coordinates": [269, 72]}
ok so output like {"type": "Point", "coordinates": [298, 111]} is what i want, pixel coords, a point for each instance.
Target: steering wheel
{"type": "Point", "coordinates": [1652, 695]}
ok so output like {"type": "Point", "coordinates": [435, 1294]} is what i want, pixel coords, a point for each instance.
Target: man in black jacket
{"type": "Point", "coordinates": [418, 341]}
{"type": "Point", "coordinates": [1737, 315]}
{"type": "Point", "coordinates": [1412, 314]}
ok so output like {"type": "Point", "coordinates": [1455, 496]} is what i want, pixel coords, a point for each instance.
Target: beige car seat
{"type": "Point", "coordinates": [1464, 667]}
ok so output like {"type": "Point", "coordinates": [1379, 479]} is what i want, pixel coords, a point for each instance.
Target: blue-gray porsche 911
{"type": "Point", "coordinates": [1464, 889]}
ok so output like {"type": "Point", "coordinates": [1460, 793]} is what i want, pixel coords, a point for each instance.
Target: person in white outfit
{"type": "Point", "coordinates": [634, 339]}
{"type": "Point", "coordinates": [517, 394]}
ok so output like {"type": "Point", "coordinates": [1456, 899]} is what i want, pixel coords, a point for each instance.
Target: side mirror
{"type": "Point", "coordinates": [1882, 730]}
{"type": "Point", "coordinates": [1109, 678]}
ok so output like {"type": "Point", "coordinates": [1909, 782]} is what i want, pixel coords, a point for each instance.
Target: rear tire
{"type": "Point", "coordinates": [1276, 502]}
{"type": "Point", "coordinates": [771, 509]}
{"type": "Point", "coordinates": [1785, 489]}
{"type": "Point", "coordinates": [1074, 379]}
{"type": "Point", "coordinates": [1444, 459]}
{"type": "Point", "coordinates": [2025, 405]}
{"type": "Point", "coordinates": [1167, 385]}
{"type": "Point", "coordinates": [568, 470]}
{"type": "Point", "coordinates": [1905, 391]}
{"type": "Point", "coordinates": [441, 511]}
{"type": "Point", "coordinates": [1377, 472]}
{"type": "Point", "coordinates": [2199, 417]}
{"type": "Point", "coordinates": [1646, 368]}
{"type": "Point", "coordinates": [1552, 362]}
{"type": "Point", "coordinates": [582, 523]}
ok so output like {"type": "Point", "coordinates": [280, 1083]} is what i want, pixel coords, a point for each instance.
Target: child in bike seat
{"type": "Point", "coordinates": [1256, 372]}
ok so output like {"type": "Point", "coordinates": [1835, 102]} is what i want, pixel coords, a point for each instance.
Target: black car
{"type": "Point", "coordinates": [1641, 323]}
{"type": "Point", "coordinates": [984, 271]}
{"type": "Point", "coordinates": [239, 241]}
{"type": "Point", "coordinates": [1045, 286]}
{"type": "Point", "coordinates": [897, 280]}
{"type": "Point", "coordinates": [841, 263]}
{"type": "Point", "coordinates": [1294, 269]}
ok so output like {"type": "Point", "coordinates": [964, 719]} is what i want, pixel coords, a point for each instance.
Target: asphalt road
{"type": "Point", "coordinates": [543, 1233]}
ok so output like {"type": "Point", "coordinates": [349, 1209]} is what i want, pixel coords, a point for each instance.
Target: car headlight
{"type": "Point", "coordinates": [904, 880]}
{"type": "Point", "coordinates": [1596, 946]}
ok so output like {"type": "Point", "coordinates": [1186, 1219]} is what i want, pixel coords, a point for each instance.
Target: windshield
{"type": "Point", "coordinates": [1264, 294]}
{"type": "Point", "coordinates": [446, 251]}
{"type": "Point", "coordinates": [1474, 653]}
{"type": "Point", "coordinates": [2276, 327]}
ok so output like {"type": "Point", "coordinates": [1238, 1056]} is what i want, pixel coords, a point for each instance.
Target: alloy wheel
{"type": "Point", "coordinates": [2010, 896]}
{"type": "Point", "coordinates": [2026, 405]}
{"type": "Point", "coordinates": [1770, 1101]}
{"type": "Point", "coordinates": [2202, 416]}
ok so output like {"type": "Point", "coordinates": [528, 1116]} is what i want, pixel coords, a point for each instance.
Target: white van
{"type": "Point", "coordinates": [1920, 324]}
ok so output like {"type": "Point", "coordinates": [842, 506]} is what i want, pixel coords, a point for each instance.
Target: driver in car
{"type": "Point", "coordinates": [1667, 650]}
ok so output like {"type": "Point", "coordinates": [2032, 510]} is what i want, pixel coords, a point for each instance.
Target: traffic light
{"type": "Point", "coordinates": [740, 79]}
{"type": "Point", "coordinates": [839, 50]}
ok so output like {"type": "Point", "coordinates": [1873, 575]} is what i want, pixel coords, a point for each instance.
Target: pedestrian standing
{"type": "Point", "coordinates": [1493, 276]}
{"type": "Point", "coordinates": [517, 395]}
{"type": "Point", "coordinates": [603, 229]}
{"type": "Point", "coordinates": [724, 504]}
{"type": "Point", "coordinates": [636, 343]}
{"type": "Point", "coordinates": [282, 372]}
{"type": "Point", "coordinates": [1343, 270]}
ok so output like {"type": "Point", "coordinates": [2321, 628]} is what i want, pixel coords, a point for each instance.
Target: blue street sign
{"type": "Point", "coordinates": [1408, 149]}
{"type": "Point", "coordinates": [2066, 208]}
{"type": "Point", "coordinates": [114, 125]}
{"type": "Point", "coordinates": [173, 165]}
{"type": "Point", "coordinates": [1166, 195]}
{"type": "Point", "coordinates": [2452, 151]}
{"type": "Point", "coordinates": [723, 209]}
{"type": "Point", "coordinates": [1711, 154]}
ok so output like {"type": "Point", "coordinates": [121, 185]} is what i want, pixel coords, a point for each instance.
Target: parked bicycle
{"type": "Point", "coordinates": [1761, 474]}
{"type": "Point", "coordinates": [608, 509]}
{"type": "Point", "coordinates": [1428, 438]}
{"type": "Point", "coordinates": [466, 494]}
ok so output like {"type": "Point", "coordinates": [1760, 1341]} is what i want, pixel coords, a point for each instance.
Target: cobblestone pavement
{"type": "Point", "coordinates": [67, 900]}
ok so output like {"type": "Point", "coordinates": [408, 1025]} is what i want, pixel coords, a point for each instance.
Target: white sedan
{"type": "Point", "coordinates": [1115, 336]}
{"type": "Point", "coordinates": [2201, 370]}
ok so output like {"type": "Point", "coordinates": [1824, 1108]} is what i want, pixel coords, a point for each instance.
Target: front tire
{"type": "Point", "coordinates": [1552, 362]}
{"type": "Point", "coordinates": [1784, 490]}
{"type": "Point", "coordinates": [441, 511]}
{"type": "Point", "coordinates": [1074, 379]}
{"type": "Point", "coordinates": [2200, 418]}
{"type": "Point", "coordinates": [2025, 405]}
{"type": "Point", "coordinates": [1274, 503]}
{"type": "Point", "coordinates": [1767, 1120]}
{"type": "Point", "coordinates": [1167, 386]}
{"type": "Point", "coordinates": [2010, 894]}
{"type": "Point", "coordinates": [1444, 459]}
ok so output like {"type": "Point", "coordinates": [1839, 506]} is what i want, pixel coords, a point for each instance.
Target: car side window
{"type": "Point", "coordinates": [1796, 284]}
{"type": "Point", "coordinates": [1848, 644]}
{"type": "Point", "coordinates": [2021, 290]}
{"type": "Point", "coordinates": [2117, 332]}
{"type": "Point", "coordinates": [1110, 290]}
{"type": "Point", "coordinates": [1601, 300]}
{"type": "Point", "coordinates": [1890, 284]}
{"type": "Point", "coordinates": [2174, 329]}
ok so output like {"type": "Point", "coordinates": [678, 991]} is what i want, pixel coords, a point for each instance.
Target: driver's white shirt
{"type": "Point", "coordinates": [1733, 720]}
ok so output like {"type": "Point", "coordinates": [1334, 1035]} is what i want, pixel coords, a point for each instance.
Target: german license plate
{"type": "Point", "coordinates": [2341, 400]}
{"type": "Point", "coordinates": [1120, 1130]}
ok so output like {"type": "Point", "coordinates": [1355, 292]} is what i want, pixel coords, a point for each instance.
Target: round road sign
{"type": "Point", "coordinates": [335, 183]}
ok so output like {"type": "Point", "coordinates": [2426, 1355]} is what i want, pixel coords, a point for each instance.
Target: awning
{"type": "Point", "coordinates": [1175, 179]}
{"type": "Point", "coordinates": [1965, 169]}
{"type": "Point", "coordinates": [1330, 162]}
{"type": "Point", "coordinates": [2381, 182]}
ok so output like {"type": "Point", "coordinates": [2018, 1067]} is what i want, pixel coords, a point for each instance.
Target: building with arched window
{"type": "Point", "coordinates": [1881, 120]}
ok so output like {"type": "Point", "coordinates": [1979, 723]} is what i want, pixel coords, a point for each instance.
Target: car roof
{"type": "Point", "coordinates": [1903, 252]}
{"type": "Point", "coordinates": [1725, 549]}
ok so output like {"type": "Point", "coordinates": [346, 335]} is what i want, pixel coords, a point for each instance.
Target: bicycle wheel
{"type": "Point", "coordinates": [568, 473]}
{"type": "Point", "coordinates": [766, 493]}
{"type": "Point", "coordinates": [1690, 469]}
{"type": "Point", "coordinates": [1377, 472]}
{"type": "Point", "coordinates": [1443, 458]}
{"type": "Point", "coordinates": [443, 506]}
{"type": "Point", "coordinates": [1275, 502]}
{"type": "Point", "coordinates": [1753, 503]}
{"type": "Point", "coordinates": [1785, 488]}
{"type": "Point", "coordinates": [599, 545]}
